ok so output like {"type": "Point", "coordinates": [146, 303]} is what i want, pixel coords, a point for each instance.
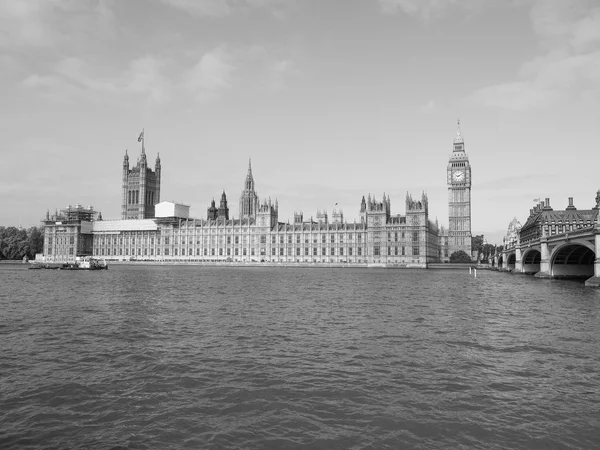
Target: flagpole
{"type": "Point", "coordinates": [143, 139]}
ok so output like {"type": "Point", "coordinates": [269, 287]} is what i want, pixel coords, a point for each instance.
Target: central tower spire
{"type": "Point", "coordinates": [249, 198]}
{"type": "Point", "coordinates": [249, 177]}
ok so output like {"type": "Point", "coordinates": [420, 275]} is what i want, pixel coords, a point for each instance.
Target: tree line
{"type": "Point", "coordinates": [484, 251]}
{"type": "Point", "coordinates": [15, 243]}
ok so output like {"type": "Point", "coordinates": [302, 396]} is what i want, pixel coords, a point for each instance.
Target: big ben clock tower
{"type": "Point", "coordinates": [459, 198]}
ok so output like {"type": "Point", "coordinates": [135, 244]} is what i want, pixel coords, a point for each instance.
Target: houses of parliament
{"type": "Point", "coordinates": [151, 230]}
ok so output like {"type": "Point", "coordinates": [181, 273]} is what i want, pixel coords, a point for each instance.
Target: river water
{"type": "Point", "coordinates": [163, 357]}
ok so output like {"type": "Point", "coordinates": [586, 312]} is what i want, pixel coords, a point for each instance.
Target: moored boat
{"type": "Point", "coordinates": [80, 263]}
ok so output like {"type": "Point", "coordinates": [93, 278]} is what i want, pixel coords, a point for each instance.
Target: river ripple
{"type": "Point", "coordinates": [205, 357]}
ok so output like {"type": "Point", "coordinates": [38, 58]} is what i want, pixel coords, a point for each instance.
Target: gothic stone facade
{"type": "Point", "coordinates": [68, 233]}
{"type": "Point", "coordinates": [404, 241]}
{"type": "Point", "coordinates": [257, 235]}
{"type": "Point", "coordinates": [141, 188]}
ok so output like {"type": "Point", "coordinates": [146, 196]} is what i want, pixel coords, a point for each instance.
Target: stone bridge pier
{"type": "Point", "coordinates": [544, 271]}
{"type": "Point", "coordinates": [595, 280]}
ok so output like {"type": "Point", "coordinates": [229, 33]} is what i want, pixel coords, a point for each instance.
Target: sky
{"type": "Point", "coordinates": [332, 100]}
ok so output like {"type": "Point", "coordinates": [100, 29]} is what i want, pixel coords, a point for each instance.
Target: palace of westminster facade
{"type": "Point", "coordinates": [150, 230]}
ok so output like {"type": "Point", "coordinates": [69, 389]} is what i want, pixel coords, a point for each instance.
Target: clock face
{"type": "Point", "coordinates": [459, 176]}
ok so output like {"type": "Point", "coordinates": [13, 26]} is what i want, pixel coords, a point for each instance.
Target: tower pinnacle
{"type": "Point", "coordinates": [249, 199]}
{"type": "Point", "coordinates": [249, 177]}
{"type": "Point", "coordinates": [458, 139]}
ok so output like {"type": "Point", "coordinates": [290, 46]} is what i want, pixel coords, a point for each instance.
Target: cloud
{"type": "Point", "coordinates": [72, 78]}
{"type": "Point", "coordinates": [158, 80]}
{"type": "Point", "coordinates": [278, 72]}
{"type": "Point", "coordinates": [247, 67]}
{"type": "Point", "coordinates": [425, 9]}
{"type": "Point", "coordinates": [214, 8]}
{"type": "Point", "coordinates": [220, 8]}
{"type": "Point", "coordinates": [569, 32]}
{"type": "Point", "coordinates": [428, 107]}
{"type": "Point", "coordinates": [212, 74]}
{"type": "Point", "coordinates": [51, 23]}
{"type": "Point", "coordinates": [516, 183]}
{"type": "Point", "coordinates": [145, 77]}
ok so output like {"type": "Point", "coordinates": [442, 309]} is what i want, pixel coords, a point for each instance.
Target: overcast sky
{"type": "Point", "coordinates": [331, 100]}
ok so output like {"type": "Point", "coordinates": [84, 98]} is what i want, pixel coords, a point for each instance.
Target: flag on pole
{"type": "Point", "coordinates": [141, 136]}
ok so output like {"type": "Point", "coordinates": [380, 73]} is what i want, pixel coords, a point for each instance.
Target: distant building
{"type": "Point", "coordinates": [141, 188]}
{"type": "Point", "coordinates": [163, 231]}
{"type": "Point", "coordinates": [459, 198]}
{"type": "Point", "coordinates": [69, 233]}
{"type": "Point", "coordinates": [544, 220]}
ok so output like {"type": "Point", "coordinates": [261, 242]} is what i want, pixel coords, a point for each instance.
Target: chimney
{"type": "Point", "coordinates": [547, 202]}
{"type": "Point", "coordinates": [571, 206]}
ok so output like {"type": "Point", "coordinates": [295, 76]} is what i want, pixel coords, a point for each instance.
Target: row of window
{"type": "Point", "coordinates": [100, 240]}
{"type": "Point", "coordinates": [69, 251]}
{"type": "Point", "coordinates": [133, 197]}
{"type": "Point", "coordinates": [62, 240]}
{"type": "Point", "coordinates": [341, 251]}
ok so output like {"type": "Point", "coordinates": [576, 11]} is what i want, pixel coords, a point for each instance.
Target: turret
{"type": "Point", "coordinates": [157, 171]}
{"type": "Point", "coordinates": [337, 216]}
{"type": "Point", "coordinates": [143, 199]}
{"type": "Point", "coordinates": [322, 216]}
{"type": "Point", "coordinates": [223, 212]}
{"type": "Point", "coordinates": [249, 199]}
{"type": "Point", "coordinates": [124, 186]}
{"type": "Point", "coordinates": [249, 177]}
{"type": "Point", "coordinates": [211, 212]}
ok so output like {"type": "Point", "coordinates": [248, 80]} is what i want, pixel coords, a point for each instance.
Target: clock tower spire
{"type": "Point", "coordinates": [459, 197]}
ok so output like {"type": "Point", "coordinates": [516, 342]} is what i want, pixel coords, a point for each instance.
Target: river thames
{"type": "Point", "coordinates": [144, 357]}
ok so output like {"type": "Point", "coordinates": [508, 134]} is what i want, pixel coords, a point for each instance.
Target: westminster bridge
{"type": "Point", "coordinates": [555, 244]}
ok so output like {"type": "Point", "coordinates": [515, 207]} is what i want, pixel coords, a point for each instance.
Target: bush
{"type": "Point", "coordinates": [460, 257]}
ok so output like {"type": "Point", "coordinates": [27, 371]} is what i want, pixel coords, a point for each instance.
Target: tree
{"type": "Point", "coordinates": [36, 241]}
{"type": "Point", "coordinates": [460, 257]}
{"type": "Point", "coordinates": [477, 245]}
{"type": "Point", "coordinates": [16, 243]}
{"type": "Point", "coordinates": [488, 251]}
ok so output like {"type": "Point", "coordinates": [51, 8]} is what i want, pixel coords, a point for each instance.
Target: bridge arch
{"type": "Point", "coordinates": [532, 259]}
{"type": "Point", "coordinates": [573, 259]}
{"type": "Point", "coordinates": [511, 261]}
